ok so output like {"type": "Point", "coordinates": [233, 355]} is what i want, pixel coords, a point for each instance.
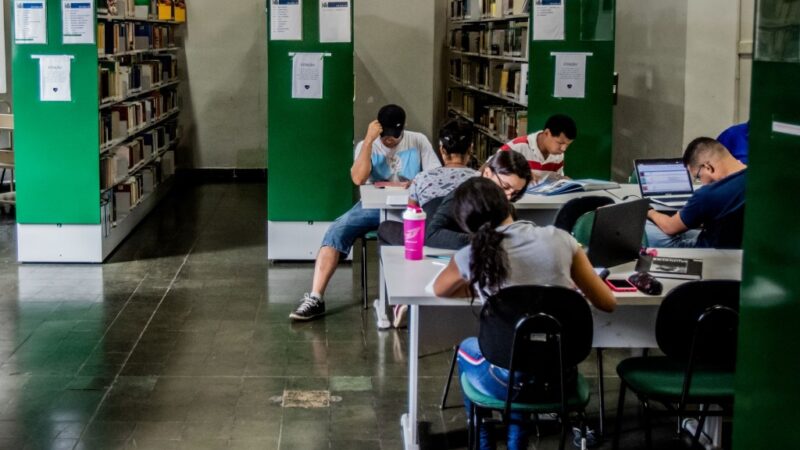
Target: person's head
{"type": "Point", "coordinates": [708, 161]}
{"type": "Point", "coordinates": [481, 206]}
{"type": "Point", "coordinates": [509, 170]}
{"type": "Point", "coordinates": [455, 139]}
{"type": "Point", "coordinates": [558, 133]}
{"type": "Point", "coordinates": [393, 120]}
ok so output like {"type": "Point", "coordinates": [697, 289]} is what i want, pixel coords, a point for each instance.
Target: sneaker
{"type": "Point", "coordinates": [689, 425]}
{"type": "Point", "coordinates": [590, 442]}
{"type": "Point", "coordinates": [400, 316]}
{"type": "Point", "coordinates": [309, 308]}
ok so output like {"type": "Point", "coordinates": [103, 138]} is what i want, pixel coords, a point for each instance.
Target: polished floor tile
{"type": "Point", "coordinates": [181, 341]}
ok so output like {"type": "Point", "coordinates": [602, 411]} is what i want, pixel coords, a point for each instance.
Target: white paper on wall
{"type": "Point", "coordinates": [570, 76]}
{"type": "Point", "coordinates": [54, 77]}
{"type": "Point", "coordinates": [334, 21]}
{"type": "Point", "coordinates": [286, 20]}
{"type": "Point", "coordinates": [307, 72]}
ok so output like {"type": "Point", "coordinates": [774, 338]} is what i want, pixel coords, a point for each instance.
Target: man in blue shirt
{"type": "Point", "coordinates": [713, 216]}
{"type": "Point", "coordinates": [736, 140]}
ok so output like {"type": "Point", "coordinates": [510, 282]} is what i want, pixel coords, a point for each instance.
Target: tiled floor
{"type": "Point", "coordinates": [181, 341]}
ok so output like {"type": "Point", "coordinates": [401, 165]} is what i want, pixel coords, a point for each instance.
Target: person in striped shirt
{"type": "Point", "coordinates": [545, 149]}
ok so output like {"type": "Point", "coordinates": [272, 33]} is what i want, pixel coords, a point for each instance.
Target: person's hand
{"type": "Point", "coordinates": [374, 131]}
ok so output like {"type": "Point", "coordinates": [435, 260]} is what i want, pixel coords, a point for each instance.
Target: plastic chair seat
{"type": "Point", "coordinates": [577, 399]}
{"type": "Point", "coordinates": [660, 377]}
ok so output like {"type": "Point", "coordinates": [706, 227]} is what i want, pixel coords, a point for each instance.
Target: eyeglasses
{"type": "Point", "coordinates": [697, 174]}
{"type": "Point", "coordinates": [507, 188]}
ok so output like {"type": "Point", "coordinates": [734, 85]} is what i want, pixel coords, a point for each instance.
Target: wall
{"type": "Point", "coordinates": [224, 118]}
{"type": "Point", "coordinates": [651, 62]}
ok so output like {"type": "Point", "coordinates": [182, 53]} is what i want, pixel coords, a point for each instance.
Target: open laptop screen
{"type": "Point", "coordinates": [662, 177]}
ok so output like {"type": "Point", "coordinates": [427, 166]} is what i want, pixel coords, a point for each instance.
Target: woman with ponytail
{"type": "Point", "coordinates": [503, 252]}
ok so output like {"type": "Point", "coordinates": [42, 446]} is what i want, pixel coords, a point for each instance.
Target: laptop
{"type": "Point", "coordinates": [617, 233]}
{"type": "Point", "coordinates": [664, 181]}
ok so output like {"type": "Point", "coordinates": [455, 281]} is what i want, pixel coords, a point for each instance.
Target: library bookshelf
{"type": "Point", "coordinates": [89, 169]}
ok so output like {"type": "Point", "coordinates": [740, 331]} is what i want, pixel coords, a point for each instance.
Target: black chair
{"type": "Point", "coordinates": [696, 329]}
{"type": "Point", "coordinates": [569, 213]}
{"type": "Point", "coordinates": [542, 331]}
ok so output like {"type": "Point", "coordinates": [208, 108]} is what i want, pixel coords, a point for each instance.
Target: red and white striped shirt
{"type": "Point", "coordinates": [540, 166]}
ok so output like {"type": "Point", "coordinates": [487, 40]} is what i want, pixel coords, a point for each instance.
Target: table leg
{"type": "Point", "coordinates": [602, 392]}
{"type": "Point", "coordinates": [379, 305]}
{"type": "Point", "coordinates": [409, 420]}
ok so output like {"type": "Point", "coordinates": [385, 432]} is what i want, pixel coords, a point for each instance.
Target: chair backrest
{"type": "Point", "coordinates": [569, 213]}
{"type": "Point", "coordinates": [524, 312]}
{"type": "Point", "coordinates": [704, 314]}
{"type": "Point", "coordinates": [727, 231]}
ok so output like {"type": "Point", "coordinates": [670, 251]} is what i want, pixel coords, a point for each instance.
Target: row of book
{"type": "Point", "coordinates": [479, 9]}
{"type": "Point", "coordinates": [484, 146]}
{"type": "Point", "coordinates": [503, 78]}
{"type": "Point", "coordinates": [119, 37]}
{"type": "Point", "coordinates": [462, 101]}
{"type": "Point", "coordinates": [123, 119]}
{"type": "Point", "coordinates": [144, 9]}
{"type": "Point", "coordinates": [117, 164]}
{"type": "Point", "coordinates": [118, 80]}
{"type": "Point", "coordinates": [503, 122]}
{"type": "Point", "coordinates": [510, 40]}
{"type": "Point", "coordinates": [116, 204]}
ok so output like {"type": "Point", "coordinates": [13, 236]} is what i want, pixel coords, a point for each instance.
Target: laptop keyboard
{"type": "Point", "coordinates": [672, 198]}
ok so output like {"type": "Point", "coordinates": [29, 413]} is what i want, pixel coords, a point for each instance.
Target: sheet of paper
{"type": "Point", "coordinates": [570, 77]}
{"type": "Point", "coordinates": [548, 20]}
{"type": "Point", "coordinates": [54, 78]}
{"type": "Point", "coordinates": [77, 21]}
{"type": "Point", "coordinates": [286, 20]}
{"type": "Point", "coordinates": [30, 21]}
{"type": "Point", "coordinates": [334, 21]}
{"type": "Point", "coordinates": [307, 70]}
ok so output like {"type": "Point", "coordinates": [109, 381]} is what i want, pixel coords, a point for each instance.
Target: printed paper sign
{"type": "Point", "coordinates": [54, 78]}
{"type": "Point", "coordinates": [30, 22]}
{"type": "Point", "coordinates": [77, 21]}
{"type": "Point", "coordinates": [307, 75]}
{"type": "Point", "coordinates": [570, 78]}
{"type": "Point", "coordinates": [334, 21]}
{"type": "Point", "coordinates": [548, 20]}
{"type": "Point", "coordinates": [286, 20]}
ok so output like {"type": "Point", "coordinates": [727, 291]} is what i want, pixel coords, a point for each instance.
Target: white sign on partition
{"type": "Point", "coordinates": [286, 20]}
{"type": "Point", "coordinates": [54, 77]}
{"type": "Point", "coordinates": [548, 20]}
{"type": "Point", "coordinates": [77, 21]}
{"type": "Point", "coordinates": [307, 71]}
{"type": "Point", "coordinates": [30, 21]}
{"type": "Point", "coordinates": [570, 77]}
{"type": "Point", "coordinates": [334, 21]}
{"type": "Point", "coordinates": [3, 75]}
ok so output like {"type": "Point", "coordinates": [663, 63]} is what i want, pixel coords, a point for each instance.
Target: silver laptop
{"type": "Point", "coordinates": [664, 181]}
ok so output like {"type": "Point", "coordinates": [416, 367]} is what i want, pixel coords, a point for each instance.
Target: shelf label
{"type": "Point", "coordinates": [77, 21]}
{"type": "Point", "coordinates": [30, 22]}
{"type": "Point", "coordinates": [54, 77]}
{"type": "Point", "coordinates": [286, 20]}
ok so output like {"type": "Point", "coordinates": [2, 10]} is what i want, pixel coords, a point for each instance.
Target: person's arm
{"type": "Point", "coordinates": [428, 156]}
{"type": "Point", "coordinates": [450, 284]}
{"type": "Point", "coordinates": [362, 166]}
{"type": "Point", "coordinates": [670, 225]}
{"type": "Point", "coordinates": [592, 286]}
{"type": "Point", "coordinates": [443, 231]}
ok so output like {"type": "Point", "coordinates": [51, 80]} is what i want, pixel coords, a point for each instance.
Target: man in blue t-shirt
{"type": "Point", "coordinates": [713, 216]}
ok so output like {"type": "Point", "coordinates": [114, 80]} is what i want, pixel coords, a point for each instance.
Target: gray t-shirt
{"type": "Point", "coordinates": [536, 255]}
{"type": "Point", "coordinates": [438, 182]}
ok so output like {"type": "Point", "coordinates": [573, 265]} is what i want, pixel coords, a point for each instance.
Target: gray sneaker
{"type": "Point", "coordinates": [309, 308]}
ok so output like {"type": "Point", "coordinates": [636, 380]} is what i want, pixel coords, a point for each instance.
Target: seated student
{"type": "Point", "coordinates": [509, 170]}
{"type": "Point", "coordinates": [545, 149]}
{"type": "Point", "coordinates": [455, 145]}
{"type": "Point", "coordinates": [387, 153]}
{"type": "Point", "coordinates": [736, 139]}
{"type": "Point", "coordinates": [509, 253]}
{"type": "Point", "coordinates": [714, 214]}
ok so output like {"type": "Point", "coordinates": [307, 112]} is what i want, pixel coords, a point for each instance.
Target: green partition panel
{"type": "Point", "coordinates": [56, 144]}
{"type": "Point", "coordinates": [767, 389]}
{"type": "Point", "coordinates": [589, 27]}
{"type": "Point", "coordinates": [309, 141]}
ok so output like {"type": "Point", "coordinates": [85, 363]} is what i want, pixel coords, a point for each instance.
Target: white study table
{"type": "Point", "coordinates": [541, 209]}
{"type": "Point", "coordinates": [631, 325]}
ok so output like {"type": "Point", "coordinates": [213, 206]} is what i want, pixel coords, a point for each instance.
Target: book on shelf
{"type": "Point", "coordinates": [522, 92]}
{"type": "Point", "coordinates": [566, 186]}
{"type": "Point", "coordinates": [663, 267]}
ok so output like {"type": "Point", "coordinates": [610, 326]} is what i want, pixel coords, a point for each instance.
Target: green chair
{"type": "Point", "coordinates": [543, 331]}
{"type": "Point", "coordinates": [696, 329]}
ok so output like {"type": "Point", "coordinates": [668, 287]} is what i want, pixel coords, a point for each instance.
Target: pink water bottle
{"type": "Point", "coordinates": [414, 232]}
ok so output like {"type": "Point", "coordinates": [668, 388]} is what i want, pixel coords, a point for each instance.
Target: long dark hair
{"type": "Point", "coordinates": [481, 206]}
{"type": "Point", "coordinates": [509, 162]}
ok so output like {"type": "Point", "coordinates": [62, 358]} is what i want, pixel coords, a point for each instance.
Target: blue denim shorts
{"type": "Point", "coordinates": [349, 226]}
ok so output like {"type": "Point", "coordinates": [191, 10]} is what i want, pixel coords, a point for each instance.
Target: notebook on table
{"type": "Point", "coordinates": [664, 181]}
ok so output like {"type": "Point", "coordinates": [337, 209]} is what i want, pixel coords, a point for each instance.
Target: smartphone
{"type": "Point", "coordinates": [622, 285]}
